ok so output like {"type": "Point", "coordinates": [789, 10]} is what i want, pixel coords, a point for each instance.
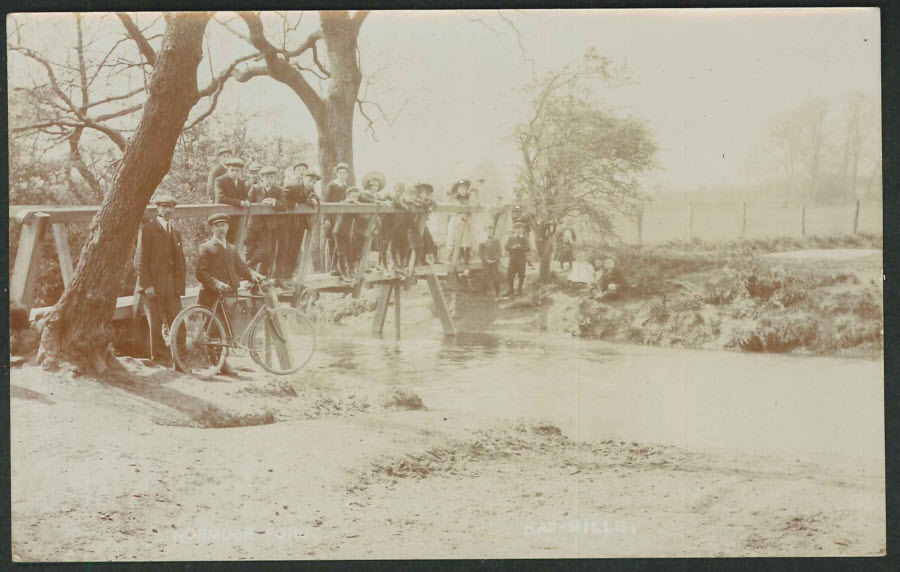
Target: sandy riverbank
{"type": "Point", "coordinates": [354, 466]}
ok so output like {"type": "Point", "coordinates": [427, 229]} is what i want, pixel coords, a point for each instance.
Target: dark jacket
{"type": "Point", "coordinates": [229, 193]}
{"type": "Point", "coordinates": [489, 250]}
{"type": "Point", "coordinates": [518, 248]}
{"type": "Point", "coordinates": [157, 253]}
{"type": "Point", "coordinates": [216, 264]}
{"type": "Point", "coordinates": [256, 196]}
{"type": "Point", "coordinates": [214, 173]}
{"type": "Point", "coordinates": [334, 193]}
{"type": "Point", "coordinates": [614, 276]}
{"type": "Point", "coordinates": [300, 195]}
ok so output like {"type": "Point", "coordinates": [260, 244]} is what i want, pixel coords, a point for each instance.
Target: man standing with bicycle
{"type": "Point", "coordinates": [220, 268]}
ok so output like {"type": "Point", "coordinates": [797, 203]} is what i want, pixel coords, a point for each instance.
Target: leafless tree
{"type": "Point", "coordinates": [578, 161]}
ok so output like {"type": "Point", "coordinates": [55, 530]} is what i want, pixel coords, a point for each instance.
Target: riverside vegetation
{"type": "Point", "coordinates": [731, 296]}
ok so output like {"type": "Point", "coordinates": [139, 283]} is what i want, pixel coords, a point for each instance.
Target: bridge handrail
{"type": "Point", "coordinates": [84, 213]}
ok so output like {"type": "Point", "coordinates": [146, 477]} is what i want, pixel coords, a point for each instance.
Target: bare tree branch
{"type": "Point", "coordinates": [280, 69]}
{"type": "Point", "coordinates": [143, 45]}
{"type": "Point", "coordinates": [131, 93]}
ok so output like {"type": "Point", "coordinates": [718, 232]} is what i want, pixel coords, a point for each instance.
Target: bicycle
{"type": "Point", "coordinates": [280, 339]}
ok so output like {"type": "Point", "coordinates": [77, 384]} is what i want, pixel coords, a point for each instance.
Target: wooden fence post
{"type": "Point", "coordinates": [27, 268]}
{"type": "Point", "coordinates": [640, 224]}
{"type": "Point", "coordinates": [63, 253]}
{"type": "Point", "coordinates": [803, 219]}
{"type": "Point", "coordinates": [856, 218]}
{"type": "Point", "coordinates": [691, 220]}
{"type": "Point", "coordinates": [743, 219]}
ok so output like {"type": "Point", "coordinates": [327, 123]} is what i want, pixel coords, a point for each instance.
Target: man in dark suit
{"type": "Point", "coordinates": [263, 232]}
{"type": "Point", "coordinates": [303, 192]}
{"type": "Point", "coordinates": [232, 190]}
{"type": "Point", "coordinates": [160, 268]}
{"type": "Point", "coordinates": [217, 171]}
{"type": "Point", "coordinates": [220, 269]}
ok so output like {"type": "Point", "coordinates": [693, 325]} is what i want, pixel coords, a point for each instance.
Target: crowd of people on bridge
{"type": "Point", "coordinates": [271, 244]}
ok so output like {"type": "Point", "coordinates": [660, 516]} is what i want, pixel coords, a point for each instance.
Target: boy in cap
{"type": "Point", "coordinates": [302, 192]}
{"type": "Point", "coordinates": [232, 190]}
{"type": "Point", "coordinates": [217, 171]}
{"type": "Point", "coordinates": [299, 171]}
{"type": "Point", "coordinates": [263, 231]}
{"type": "Point", "coordinates": [518, 249]}
{"type": "Point", "coordinates": [160, 268]}
{"type": "Point", "coordinates": [253, 179]}
{"type": "Point", "coordinates": [489, 251]}
{"type": "Point", "coordinates": [335, 192]}
{"type": "Point", "coordinates": [220, 268]}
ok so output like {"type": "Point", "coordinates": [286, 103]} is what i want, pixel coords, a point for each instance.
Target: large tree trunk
{"type": "Point", "coordinates": [78, 329]}
{"type": "Point", "coordinates": [335, 126]}
{"type": "Point", "coordinates": [336, 140]}
{"type": "Point", "coordinates": [543, 240]}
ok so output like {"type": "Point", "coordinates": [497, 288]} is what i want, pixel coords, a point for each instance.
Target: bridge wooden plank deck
{"type": "Point", "coordinates": [320, 281]}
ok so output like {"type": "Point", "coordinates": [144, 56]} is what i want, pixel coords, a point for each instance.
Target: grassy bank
{"type": "Point", "coordinates": [735, 295]}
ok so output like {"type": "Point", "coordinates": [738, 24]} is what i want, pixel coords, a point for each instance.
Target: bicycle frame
{"type": "Point", "coordinates": [237, 342]}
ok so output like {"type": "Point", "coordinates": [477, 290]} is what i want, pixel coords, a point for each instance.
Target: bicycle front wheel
{"type": "Point", "coordinates": [198, 341]}
{"type": "Point", "coordinates": [282, 340]}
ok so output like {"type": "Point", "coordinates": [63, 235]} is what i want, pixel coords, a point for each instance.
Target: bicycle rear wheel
{"type": "Point", "coordinates": [198, 341]}
{"type": "Point", "coordinates": [282, 340]}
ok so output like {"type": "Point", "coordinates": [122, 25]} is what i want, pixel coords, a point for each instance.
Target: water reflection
{"type": "Point", "coordinates": [596, 390]}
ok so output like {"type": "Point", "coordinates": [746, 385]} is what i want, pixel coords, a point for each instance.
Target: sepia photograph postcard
{"type": "Point", "coordinates": [455, 284]}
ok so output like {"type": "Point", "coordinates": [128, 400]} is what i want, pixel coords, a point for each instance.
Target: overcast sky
{"type": "Point", "coordinates": [704, 81]}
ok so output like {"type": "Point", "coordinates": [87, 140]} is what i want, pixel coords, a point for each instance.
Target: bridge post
{"type": "Point", "coordinates": [397, 290]}
{"type": "Point", "coordinates": [306, 255]}
{"type": "Point", "coordinates": [440, 303]}
{"type": "Point", "coordinates": [27, 268]}
{"type": "Point", "coordinates": [364, 257]}
{"type": "Point", "coordinates": [384, 298]}
{"type": "Point", "coordinates": [61, 238]}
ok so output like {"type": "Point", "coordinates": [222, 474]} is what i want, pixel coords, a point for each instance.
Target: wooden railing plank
{"type": "Point", "coordinates": [84, 214]}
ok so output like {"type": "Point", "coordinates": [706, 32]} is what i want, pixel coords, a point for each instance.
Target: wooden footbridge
{"type": "Point", "coordinates": [38, 222]}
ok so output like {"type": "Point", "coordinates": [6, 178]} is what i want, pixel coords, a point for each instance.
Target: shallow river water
{"type": "Point", "coordinates": [700, 400]}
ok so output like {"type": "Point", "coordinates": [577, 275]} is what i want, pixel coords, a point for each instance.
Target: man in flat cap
{"type": "Point", "coordinates": [299, 168]}
{"type": "Point", "coordinates": [263, 231]}
{"type": "Point", "coordinates": [335, 192]}
{"type": "Point", "coordinates": [232, 190]}
{"type": "Point", "coordinates": [253, 178]}
{"type": "Point", "coordinates": [216, 171]}
{"type": "Point", "coordinates": [220, 268]}
{"type": "Point", "coordinates": [160, 268]}
{"type": "Point", "coordinates": [518, 248]}
{"type": "Point", "coordinates": [303, 192]}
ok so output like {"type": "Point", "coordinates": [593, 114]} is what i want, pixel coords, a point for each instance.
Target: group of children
{"type": "Point", "coordinates": [395, 235]}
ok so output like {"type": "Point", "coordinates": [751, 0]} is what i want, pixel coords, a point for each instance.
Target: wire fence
{"type": "Point", "coordinates": [661, 222]}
